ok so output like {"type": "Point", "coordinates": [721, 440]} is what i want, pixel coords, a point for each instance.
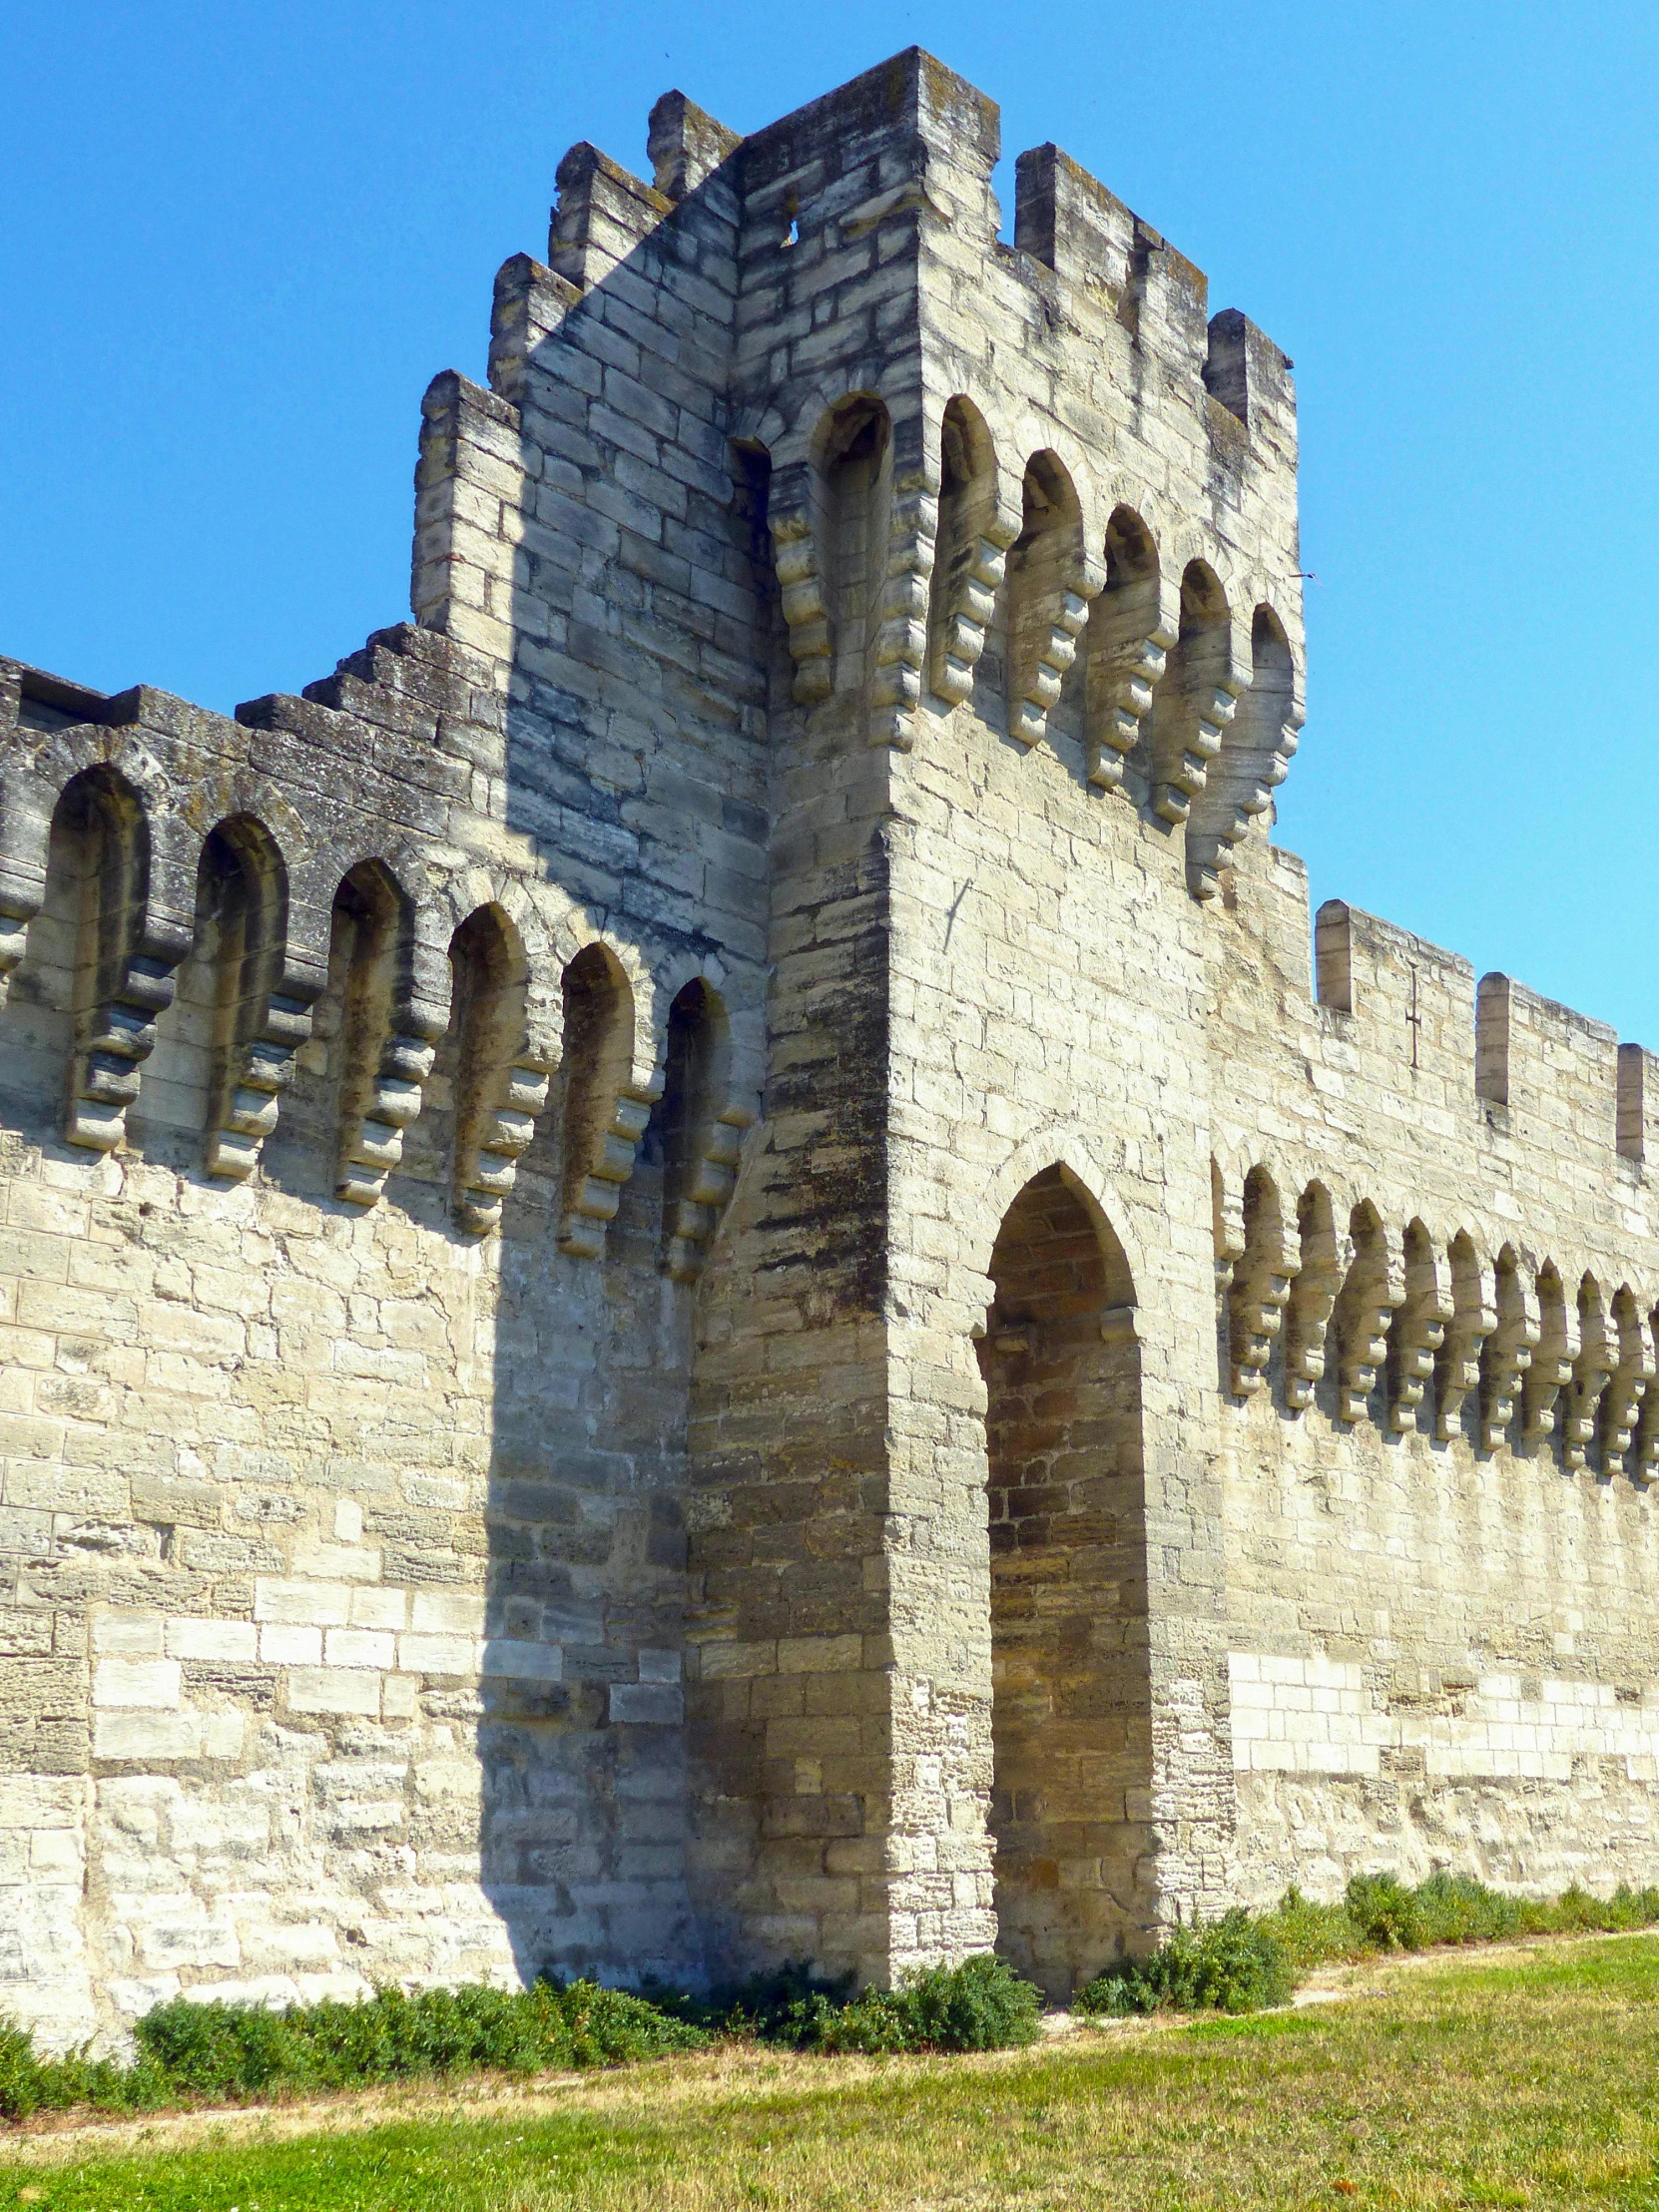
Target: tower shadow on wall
{"type": "Point", "coordinates": [643, 640]}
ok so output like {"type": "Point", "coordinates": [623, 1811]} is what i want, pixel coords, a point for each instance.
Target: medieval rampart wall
{"type": "Point", "coordinates": [616, 1219]}
{"type": "Point", "coordinates": [1436, 1237]}
{"type": "Point", "coordinates": [375, 1069]}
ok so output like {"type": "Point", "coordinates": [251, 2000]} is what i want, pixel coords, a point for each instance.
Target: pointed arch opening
{"type": "Point", "coordinates": [854, 483]}
{"type": "Point", "coordinates": [1256, 750]}
{"type": "Point", "coordinates": [686, 1122]}
{"type": "Point", "coordinates": [89, 1019]}
{"type": "Point", "coordinates": [968, 563]}
{"type": "Point", "coordinates": [226, 1051]}
{"type": "Point", "coordinates": [1127, 648]}
{"type": "Point", "coordinates": [1194, 703]}
{"type": "Point", "coordinates": [1047, 602]}
{"type": "Point", "coordinates": [379, 1045]}
{"type": "Point", "coordinates": [1070, 1688]}
{"type": "Point", "coordinates": [498, 1085]}
{"type": "Point", "coordinates": [599, 1125]}
{"type": "Point", "coordinates": [1313, 1296]}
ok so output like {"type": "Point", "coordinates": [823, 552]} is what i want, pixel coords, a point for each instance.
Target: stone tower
{"type": "Point", "coordinates": [702, 1265]}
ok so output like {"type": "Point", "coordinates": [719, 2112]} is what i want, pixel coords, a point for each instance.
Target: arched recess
{"type": "Point", "coordinates": [1373, 1290]}
{"type": "Point", "coordinates": [1128, 641]}
{"type": "Point", "coordinates": [239, 1024]}
{"type": "Point", "coordinates": [1313, 1296]}
{"type": "Point", "coordinates": [1050, 584]}
{"type": "Point", "coordinates": [385, 1039]}
{"type": "Point", "coordinates": [1474, 1316]}
{"type": "Point", "coordinates": [1261, 1284]}
{"type": "Point", "coordinates": [1416, 1335]}
{"type": "Point", "coordinates": [1256, 750]}
{"type": "Point", "coordinates": [852, 483]}
{"type": "Point", "coordinates": [1071, 1704]}
{"type": "Point", "coordinates": [499, 1077]}
{"type": "Point", "coordinates": [973, 538]}
{"type": "Point", "coordinates": [1555, 1357]}
{"type": "Point", "coordinates": [85, 969]}
{"type": "Point", "coordinates": [1628, 1383]}
{"type": "Point", "coordinates": [603, 1115]}
{"type": "Point", "coordinates": [1194, 703]}
{"type": "Point", "coordinates": [700, 1137]}
{"type": "Point", "coordinates": [1507, 1354]}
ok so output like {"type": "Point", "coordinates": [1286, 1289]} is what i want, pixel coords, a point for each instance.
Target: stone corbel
{"type": "Point", "coordinates": [116, 1035]}
{"type": "Point", "coordinates": [1553, 1363]}
{"type": "Point", "coordinates": [1473, 1320]}
{"type": "Point", "coordinates": [971, 603]}
{"type": "Point", "coordinates": [1417, 1335]}
{"type": "Point", "coordinates": [1126, 663]}
{"type": "Point", "coordinates": [1313, 1297]}
{"type": "Point", "coordinates": [1646, 1466]}
{"type": "Point", "coordinates": [1629, 1385]}
{"type": "Point", "coordinates": [493, 1130]}
{"type": "Point", "coordinates": [697, 1216]}
{"type": "Point", "coordinates": [1048, 644]}
{"type": "Point", "coordinates": [1597, 1358]}
{"type": "Point", "coordinates": [252, 1070]}
{"type": "Point", "coordinates": [1118, 1325]}
{"type": "Point", "coordinates": [1507, 1356]}
{"type": "Point", "coordinates": [596, 1187]}
{"type": "Point", "coordinates": [1203, 702]}
{"type": "Point", "coordinates": [25, 834]}
{"type": "Point", "coordinates": [801, 583]}
{"type": "Point", "coordinates": [1228, 1224]}
{"type": "Point", "coordinates": [1261, 1284]}
{"type": "Point", "coordinates": [899, 653]}
{"type": "Point", "coordinates": [371, 1138]}
{"type": "Point", "coordinates": [1208, 848]}
{"type": "Point", "coordinates": [20, 896]}
{"type": "Point", "coordinates": [1371, 1294]}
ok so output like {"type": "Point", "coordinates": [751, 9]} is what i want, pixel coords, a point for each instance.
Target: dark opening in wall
{"type": "Point", "coordinates": [1071, 1704]}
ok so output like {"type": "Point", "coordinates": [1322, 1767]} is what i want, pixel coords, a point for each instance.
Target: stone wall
{"type": "Point", "coordinates": [689, 1274]}
{"type": "Point", "coordinates": [1442, 1534]}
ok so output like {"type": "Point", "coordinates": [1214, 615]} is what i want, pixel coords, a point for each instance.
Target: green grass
{"type": "Point", "coordinates": [1522, 2081]}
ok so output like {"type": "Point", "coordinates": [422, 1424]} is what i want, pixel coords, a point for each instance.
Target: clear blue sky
{"type": "Point", "coordinates": [240, 239]}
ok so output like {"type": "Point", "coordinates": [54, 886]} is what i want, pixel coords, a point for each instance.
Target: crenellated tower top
{"type": "Point", "coordinates": [939, 414]}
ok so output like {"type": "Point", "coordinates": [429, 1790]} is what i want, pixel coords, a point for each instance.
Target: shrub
{"type": "Point", "coordinates": [762, 2009]}
{"type": "Point", "coordinates": [234, 2051]}
{"type": "Point", "coordinates": [1384, 1912]}
{"type": "Point", "coordinates": [1456, 1909]}
{"type": "Point", "coordinates": [982, 2004]}
{"type": "Point", "coordinates": [1233, 1964]}
{"type": "Point", "coordinates": [1628, 1908]}
{"type": "Point", "coordinates": [1312, 1935]}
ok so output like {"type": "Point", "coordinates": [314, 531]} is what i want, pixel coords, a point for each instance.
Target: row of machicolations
{"type": "Point", "coordinates": [192, 1012]}
{"type": "Point", "coordinates": [1321, 1304]}
{"type": "Point", "coordinates": [1192, 691]}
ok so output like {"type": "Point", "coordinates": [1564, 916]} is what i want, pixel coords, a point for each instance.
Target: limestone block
{"type": "Point", "coordinates": [333, 1690]}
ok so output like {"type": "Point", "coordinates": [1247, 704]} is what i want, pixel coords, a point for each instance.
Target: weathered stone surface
{"type": "Point", "coordinates": [687, 1274]}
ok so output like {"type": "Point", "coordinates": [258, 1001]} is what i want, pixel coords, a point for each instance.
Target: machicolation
{"type": "Point", "coordinates": [690, 1274]}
